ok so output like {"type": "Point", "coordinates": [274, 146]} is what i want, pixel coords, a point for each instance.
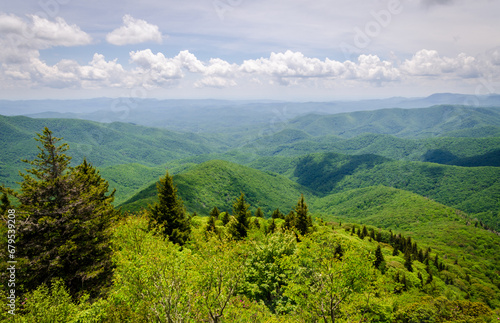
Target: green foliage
{"type": "Point", "coordinates": [328, 275]}
{"type": "Point", "coordinates": [49, 305]}
{"type": "Point", "coordinates": [321, 283]}
{"type": "Point", "coordinates": [152, 281]}
{"type": "Point", "coordinates": [168, 214]}
{"type": "Point", "coordinates": [409, 260]}
{"type": "Point", "coordinates": [265, 277]}
{"type": "Point", "coordinates": [211, 225]}
{"type": "Point", "coordinates": [428, 309]}
{"type": "Point", "coordinates": [272, 226]}
{"type": "Point", "coordinates": [448, 231]}
{"type": "Point", "coordinates": [221, 274]}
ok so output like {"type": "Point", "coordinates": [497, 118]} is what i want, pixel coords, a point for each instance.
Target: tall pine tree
{"type": "Point", "coordinates": [240, 213]}
{"type": "Point", "coordinates": [408, 260]}
{"type": "Point", "coordinates": [66, 215]}
{"type": "Point", "coordinates": [379, 258]}
{"type": "Point", "coordinates": [302, 221]}
{"type": "Point", "coordinates": [168, 214]}
{"type": "Point", "coordinates": [277, 214]}
{"type": "Point", "coordinates": [215, 212]}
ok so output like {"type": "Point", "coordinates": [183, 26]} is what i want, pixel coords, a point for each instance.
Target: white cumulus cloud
{"type": "Point", "coordinates": [294, 65]}
{"type": "Point", "coordinates": [134, 31]}
{"type": "Point", "coordinates": [58, 32]}
{"type": "Point", "coordinates": [430, 63]}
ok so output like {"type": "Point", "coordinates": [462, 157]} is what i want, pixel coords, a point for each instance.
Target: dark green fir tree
{"type": "Point", "coordinates": [211, 225]}
{"type": "Point", "coordinates": [215, 212]}
{"type": "Point", "coordinates": [302, 221]}
{"type": "Point", "coordinates": [240, 213]}
{"type": "Point", "coordinates": [168, 214]}
{"type": "Point", "coordinates": [272, 227]}
{"type": "Point", "coordinates": [379, 258]}
{"type": "Point", "coordinates": [290, 220]}
{"type": "Point", "coordinates": [408, 260]}
{"type": "Point", "coordinates": [66, 215]}
{"type": "Point", "coordinates": [277, 214]}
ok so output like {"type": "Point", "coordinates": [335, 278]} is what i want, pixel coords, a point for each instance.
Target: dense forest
{"type": "Point", "coordinates": [125, 223]}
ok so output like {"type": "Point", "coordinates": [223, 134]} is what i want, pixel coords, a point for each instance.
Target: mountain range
{"type": "Point", "coordinates": [427, 168]}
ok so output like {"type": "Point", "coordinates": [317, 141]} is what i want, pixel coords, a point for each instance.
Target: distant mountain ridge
{"type": "Point", "coordinates": [204, 115]}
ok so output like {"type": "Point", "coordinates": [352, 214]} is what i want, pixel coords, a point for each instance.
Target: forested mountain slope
{"type": "Point", "coordinates": [405, 123]}
{"type": "Point", "coordinates": [101, 144]}
{"type": "Point", "coordinates": [218, 183]}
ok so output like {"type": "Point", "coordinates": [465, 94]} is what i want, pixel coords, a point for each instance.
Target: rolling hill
{"type": "Point", "coordinates": [467, 152]}
{"type": "Point", "coordinates": [219, 183]}
{"type": "Point", "coordinates": [405, 123]}
{"type": "Point", "coordinates": [475, 190]}
{"type": "Point", "coordinates": [102, 144]}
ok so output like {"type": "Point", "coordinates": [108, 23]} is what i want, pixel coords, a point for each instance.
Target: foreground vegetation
{"type": "Point", "coordinates": [330, 275]}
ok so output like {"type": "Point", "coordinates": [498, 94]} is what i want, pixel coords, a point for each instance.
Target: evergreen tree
{"type": "Point", "coordinates": [277, 214]}
{"type": "Point", "coordinates": [408, 260]}
{"type": "Point", "coordinates": [168, 214]}
{"type": "Point", "coordinates": [395, 251]}
{"type": "Point", "coordinates": [364, 233]}
{"type": "Point", "coordinates": [310, 221]}
{"type": "Point", "coordinates": [379, 258]}
{"type": "Point", "coordinates": [290, 220]}
{"type": "Point", "coordinates": [211, 225]}
{"type": "Point", "coordinates": [240, 213]}
{"type": "Point", "coordinates": [302, 221]}
{"type": "Point", "coordinates": [272, 227]}
{"type": "Point", "coordinates": [429, 278]}
{"type": "Point", "coordinates": [256, 223]}
{"type": "Point", "coordinates": [65, 219]}
{"type": "Point", "coordinates": [372, 234]}
{"type": "Point", "coordinates": [225, 218]}
{"type": "Point", "coordinates": [259, 213]}
{"type": "Point", "coordinates": [215, 212]}
{"type": "Point", "coordinates": [5, 204]}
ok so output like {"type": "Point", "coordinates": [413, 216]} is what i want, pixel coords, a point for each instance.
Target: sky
{"type": "Point", "coordinates": [292, 50]}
